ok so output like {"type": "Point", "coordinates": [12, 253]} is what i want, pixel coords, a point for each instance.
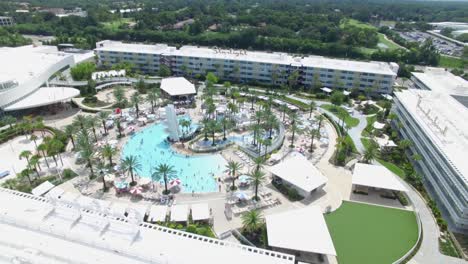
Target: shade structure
{"type": "Point", "coordinates": [176, 86]}
{"type": "Point", "coordinates": [179, 213]}
{"type": "Point", "coordinates": [376, 176]}
{"type": "Point", "coordinates": [42, 188]}
{"type": "Point", "coordinates": [158, 213]}
{"type": "Point", "coordinates": [298, 171]}
{"type": "Point", "coordinates": [138, 211]}
{"type": "Point", "coordinates": [44, 96]}
{"type": "Point", "coordinates": [245, 178]}
{"type": "Point", "coordinates": [326, 89]}
{"type": "Point", "coordinates": [55, 193]}
{"type": "Point", "coordinates": [302, 230]}
{"type": "Point", "coordinates": [200, 212]}
{"type": "Point", "coordinates": [378, 125]}
{"type": "Point", "coordinates": [242, 196]}
{"type": "Point", "coordinates": [118, 210]}
{"type": "Point", "coordinates": [175, 182]}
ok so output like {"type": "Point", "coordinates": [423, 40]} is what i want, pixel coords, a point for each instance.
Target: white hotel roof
{"type": "Point", "coordinates": [376, 176]}
{"type": "Point", "coordinates": [254, 56]}
{"type": "Point", "coordinates": [440, 80]}
{"type": "Point", "coordinates": [177, 86]}
{"type": "Point", "coordinates": [302, 229]}
{"type": "Point", "coordinates": [44, 96]}
{"type": "Point", "coordinates": [66, 233]}
{"type": "Point", "coordinates": [24, 63]}
{"type": "Point", "coordinates": [297, 170]}
{"type": "Point", "coordinates": [448, 114]}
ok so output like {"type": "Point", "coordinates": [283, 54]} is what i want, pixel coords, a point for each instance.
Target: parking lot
{"type": "Point", "coordinates": [443, 46]}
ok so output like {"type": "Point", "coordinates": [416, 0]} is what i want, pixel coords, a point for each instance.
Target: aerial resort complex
{"type": "Point", "coordinates": [176, 141]}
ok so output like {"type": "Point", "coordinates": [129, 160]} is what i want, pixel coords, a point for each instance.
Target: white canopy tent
{"type": "Point", "coordinates": [179, 213]}
{"type": "Point", "coordinates": [42, 188]}
{"type": "Point", "coordinates": [326, 90]}
{"type": "Point", "coordinates": [158, 213]}
{"type": "Point", "coordinates": [177, 86]}
{"type": "Point", "coordinates": [346, 93]}
{"type": "Point", "coordinates": [200, 212]}
{"type": "Point", "coordinates": [376, 176]}
{"type": "Point", "coordinates": [378, 125]}
{"type": "Point", "coordinates": [302, 230]}
{"type": "Point", "coordinates": [300, 172]}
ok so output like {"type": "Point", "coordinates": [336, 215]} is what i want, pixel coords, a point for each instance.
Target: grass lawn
{"type": "Point", "coordinates": [114, 25]}
{"type": "Point", "coordinates": [451, 62]}
{"type": "Point", "coordinates": [341, 113]}
{"type": "Point", "coordinates": [354, 22]}
{"type": "Point", "coordinates": [371, 234]}
{"type": "Point", "coordinates": [389, 43]}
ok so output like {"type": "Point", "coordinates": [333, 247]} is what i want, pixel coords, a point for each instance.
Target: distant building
{"type": "Point", "coordinates": [251, 66]}
{"type": "Point", "coordinates": [6, 21]}
{"type": "Point", "coordinates": [433, 116]}
{"type": "Point", "coordinates": [182, 24]}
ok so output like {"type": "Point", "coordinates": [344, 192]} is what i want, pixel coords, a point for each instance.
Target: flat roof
{"type": "Point", "coordinates": [158, 213]}
{"type": "Point", "coordinates": [200, 211]}
{"type": "Point", "coordinates": [441, 80]}
{"type": "Point", "coordinates": [376, 176]}
{"type": "Point", "coordinates": [44, 96]}
{"type": "Point", "coordinates": [247, 55]}
{"type": "Point", "coordinates": [179, 213]}
{"type": "Point", "coordinates": [297, 170]}
{"type": "Point", "coordinates": [24, 63]}
{"type": "Point", "coordinates": [302, 229]}
{"type": "Point", "coordinates": [78, 235]}
{"type": "Point", "coordinates": [443, 120]}
{"type": "Point", "coordinates": [42, 188]}
{"type": "Point", "coordinates": [177, 86]}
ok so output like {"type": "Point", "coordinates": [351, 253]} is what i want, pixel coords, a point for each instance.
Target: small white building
{"type": "Point", "coordinates": [301, 232]}
{"type": "Point", "coordinates": [298, 172]}
{"type": "Point", "coordinates": [178, 88]}
{"type": "Point", "coordinates": [376, 177]}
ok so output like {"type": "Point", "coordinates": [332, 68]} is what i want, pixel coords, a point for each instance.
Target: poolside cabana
{"type": "Point", "coordinates": [326, 90]}
{"type": "Point", "coordinates": [301, 232]}
{"type": "Point", "coordinates": [158, 213]}
{"type": "Point", "coordinates": [298, 172]}
{"type": "Point", "coordinates": [137, 211]}
{"type": "Point", "coordinates": [179, 213]}
{"type": "Point", "coordinates": [367, 176]}
{"type": "Point", "coordinates": [178, 88]}
{"type": "Point", "coordinates": [42, 188]}
{"type": "Point", "coordinates": [201, 212]}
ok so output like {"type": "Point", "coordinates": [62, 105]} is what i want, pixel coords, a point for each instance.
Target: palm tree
{"type": "Point", "coordinates": [234, 167]}
{"type": "Point", "coordinates": [312, 106]}
{"type": "Point", "coordinates": [313, 133]}
{"type": "Point", "coordinates": [252, 221]}
{"type": "Point", "coordinates": [267, 143]}
{"type": "Point", "coordinates": [42, 148]}
{"type": "Point", "coordinates": [26, 173]}
{"type": "Point", "coordinates": [70, 131]}
{"type": "Point", "coordinates": [34, 138]}
{"type": "Point", "coordinates": [33, 165]}
{"type": "Point", "coordinates": [224, 122]}
{"type": "Point", "coordinates": [294, 126]}
{"type": "Point", "coordinates": [9, 120]}
{"type": "Point", "coordinates": [135, 100]}
{"type": "Point", "coordinates": [130, 164]}
{"type": "Point", "coordinates": [26, 154]}
{"type": "Point", "coordinates": [185, 124]}
{"type": "Point", "coordinates": [152, 97]}
{"type": "Point", "coordinates": [371, 152]}
{"type": "Point", "coordinates": [119, 127]}
{"type": "Point", "coordinates": [86, 150]}
{"type": "Point", "coordinates": [81, 121]}
{"type": "Point", "coordinates": [91, 122]}
{"type": "Point", "coordinates": [259, 162]}
{"type": "Point", "coordinates": [163, 171]}
{"type": "Point", "coordinates": [55, 146]}
{"type": "Point", "coordinates": [284, 109]}
{"type": "Point", "coordinates": [212, 127]}
{"type": "Point", "coordinates": [103, 115]}
{"type": "Point", "coordinates": [108, 152]}
{"type": "Point", "coordinates": [119, 95]}
{"type": "Point", "coordinates": [258, 177]}
{"type": "Point", "coordinates": [101, 167]}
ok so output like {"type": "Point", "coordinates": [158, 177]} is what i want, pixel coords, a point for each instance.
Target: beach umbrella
{"type": "Point", "coordinates": [242, 196]}
{"type": "Point", "coordinates": [121, 185]}
{"type": "Point", "coordinates": [244, 178]}
{"type": "Point", "coordinates": [175, 182]}
{"type": "Point", "coordinates": [137, 190]}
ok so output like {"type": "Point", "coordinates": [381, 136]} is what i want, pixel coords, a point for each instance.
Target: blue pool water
{"type": "Point", "coordinates": [196, 172]}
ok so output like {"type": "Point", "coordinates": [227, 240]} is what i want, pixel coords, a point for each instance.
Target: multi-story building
{"type": "Point", "coordinates": [6, 21]}
{"type": "Point", "coordinates": [433, 116]}
{"type": "Point", "coordinates": [252, 66]}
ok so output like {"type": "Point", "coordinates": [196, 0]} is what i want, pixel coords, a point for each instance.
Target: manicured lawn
{"type": "Point", "coordinates": [114, 25]}
{"type": "Point", "coordinates": [450, 62]}
{"type": "Point", "coordinates": [354, 22]}
{"type": "Point", "coordinates": [390, 44]}
{"type": "Point", "coordinates": [341, 113]}
{"type": "Point", "coordinates": [368, 234]}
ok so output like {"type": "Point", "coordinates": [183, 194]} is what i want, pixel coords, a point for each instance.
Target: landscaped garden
{"type": "Point", "coordinates": [371, 234]}
{"type": "Point", "coordinates": [341, 114]}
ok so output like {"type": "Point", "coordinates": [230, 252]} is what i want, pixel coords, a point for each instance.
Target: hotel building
{"type": "Point", "coordinates": [433, 116]}
{"type": "Point", "coordinates": [251, 66]}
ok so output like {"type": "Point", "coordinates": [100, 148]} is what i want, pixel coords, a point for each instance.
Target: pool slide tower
{"type": "Point", "coordinates": [172, 123]}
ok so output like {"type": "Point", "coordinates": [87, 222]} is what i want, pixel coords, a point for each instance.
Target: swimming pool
{"type": "Point", "coordinates": [196, 172]}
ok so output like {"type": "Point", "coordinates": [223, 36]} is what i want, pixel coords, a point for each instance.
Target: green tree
{"type": "Point", "coordinates": [108, 152]}
{"type": "Point", "coordinates": [102, 116]}
{"type": "Point", "coordinates": [164, 71]}
{"type": "Point", "coordinates": [70, 131]}
{"type": "Point", "coordinates": [233, 167]}
{"type": "Point", "coordinates": [163, 171]}
{"type": "Point", "coordinates": [9, 120]}
{"type": "Point", "coordinates": [119, 95]}
{"type": "Point", "coordinates": [258, 177]}
{"type": "Point", "coordinates": [313, 133]}
{"type": "Point", "coordinates": [135, 100]}
{"type": "Point", "coordinates": [26, 154]}
{"type": "Point", "coordinates": [42, 148]}
{"type": "Point", "coordinates": [371, 152]}
{"type": "Point", "coordinates": [252, 221]}
{"type": "Point", "coordinates": [153, 97]}
{"type": "Point", "coordinates": [86, 150]}
{"type": "Point", "coordinates": [130, 164]}
{"type": "Point", "coordinates": [82, 71]}
{"type": "Point", "coordinates": [337, 98]}
{"type": "Point", "coordinates": [211, 78]}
